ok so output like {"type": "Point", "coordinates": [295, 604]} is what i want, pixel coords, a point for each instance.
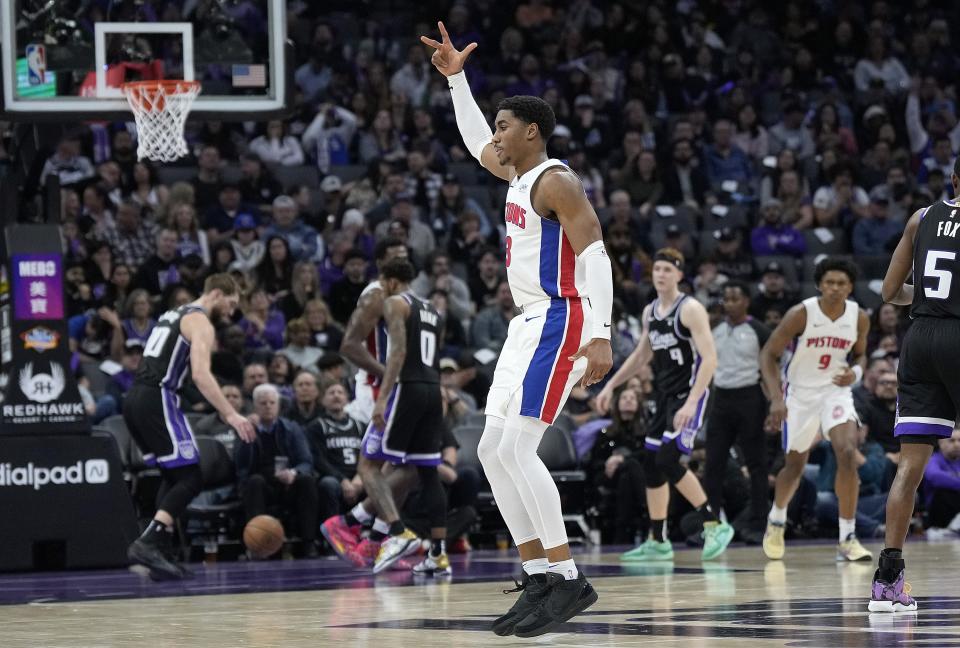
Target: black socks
{"type": "Point", "coordinates": [891, 563]}
{"type": "Point", "coordinates": [659, 529]}
{"type": "Point", "coordinates": [438, 547]}
{"type": "Point", "coordinates": [707, 514]}
{"type": "Point", "coordinates": [157, 533]}
{"type": "Point", "coordinates": [396, 528]}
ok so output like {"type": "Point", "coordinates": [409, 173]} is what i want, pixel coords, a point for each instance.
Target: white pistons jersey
{"type": "Point", "coordinates": [822, 349]}
{"type": "Point", "coordinates": [541, 263]}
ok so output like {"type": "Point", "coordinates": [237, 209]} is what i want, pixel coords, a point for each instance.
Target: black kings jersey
{"type": "Point", "coordinates": [936, 262]}
{"type": "Point", "coordinates": [675, 359]}
{"type": "Point", "coordinates": [166, 356]}
{"type": "Point", "coordinates": [424, 331]}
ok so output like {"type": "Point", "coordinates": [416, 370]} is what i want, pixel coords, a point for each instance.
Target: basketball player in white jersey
{"type": "Point", "coordinates": [822, 334]}
{"type": "Point", "coordinates": [560, 275]}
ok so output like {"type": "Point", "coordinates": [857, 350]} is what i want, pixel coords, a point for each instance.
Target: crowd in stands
{"type": "Point", "coordinates": [725, 130]}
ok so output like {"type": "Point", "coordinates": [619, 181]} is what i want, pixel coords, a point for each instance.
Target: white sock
{"type": "Point", "coordinates": [361, 514]}
{"type": "Point", "coordinates": [778, 515]}
{"type": "Point", "coordinates": [381, 526]}
{"type": "Point", "coordinates": [535, 566]}
{"type": "Point", "coordinates": [565, 568]}
{"type": "Point", "coordinates": [847, 527]}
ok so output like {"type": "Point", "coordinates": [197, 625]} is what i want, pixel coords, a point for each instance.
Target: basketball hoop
{"type": "Point", "coordinates": [160, 109]}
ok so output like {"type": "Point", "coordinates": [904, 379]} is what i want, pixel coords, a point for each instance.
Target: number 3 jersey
{"type": "Point", "coordinates": [166, 357]}
{"type": "Point", "coordinates": [675, 358]}
{"type": "Point", "coordinates": [822, 349]}
{"type": "Point", "coordinates": [424, 331]}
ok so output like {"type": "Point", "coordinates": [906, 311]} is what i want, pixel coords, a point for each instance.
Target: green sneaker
{"type": "Point", "coordinates": [716, 537]}
{"type": "Point", "coordinates": [649, 551]}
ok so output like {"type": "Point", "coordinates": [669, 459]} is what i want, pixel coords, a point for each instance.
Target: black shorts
{"type": "Point", "coordinates": [660, 429]}
{"type": "Point", "coordinates": [928, 397]}
{"type": "Point", "coordinates": [414, 427]}
{"type": "Point", "coordinates": [157, 424]}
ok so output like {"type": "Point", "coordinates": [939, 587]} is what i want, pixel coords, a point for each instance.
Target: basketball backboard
{"type": "Point", "coordinates": [67, 58]}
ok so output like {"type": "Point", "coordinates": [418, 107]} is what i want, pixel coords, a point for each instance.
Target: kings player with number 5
{"type": "Point", "coordinates": [823, 334]}
{"type": "Point", "coordinates": [180, 343]}
{"type": "Point", "coordinates": [560, 275]}
{"type": "Point", "coordinates": [928, 398]}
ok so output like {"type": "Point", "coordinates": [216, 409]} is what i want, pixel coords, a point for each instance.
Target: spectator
{"type": "Point", "coordinates": [220, 219]}
{"type": "Point", "coordinates": [451, 203]}
{"type": "Point", "coordinates": [254, 375]}
{"type": "Point", "coordinates": [750, 136]}
{"type": "Point", "coordinates": [730, 257]}
{"type": "Point", "coordinates": [132, 240]}
{"type": "Point", "coordinates": [277, 468]}
{"type": "Point", "coordinates": [615, 469]}
{"type": "Point", "coordinates": [828, 133]}
{"type": "Point", "coordinates": [345, 293]}
{"type": "Point", "coordinates": [841, 202]}
{"type": "Point", "coordinates": [147, 190]}
{"type": "Point", "coordinates": [262, 325]}
{"type": "Point", "coordinates": [790, 133]}
{"type": "Point", "coordinates": [137, 324]}
{"type": "Point", "coordinates": [212, 425]}
{"type": "Point", "coordinates": [876, 234]}
{"type": "Point", "coordinates": [941, 157]}
{"type": "Point", "coordinates": [248, 250]}
{"type": "Point", "coordinates": [419, 237]}
{"type": "Point", "coordinates": [878, 413]}
{"type": "Point", "coordinates": [381, 141]}
{"type": "Point", "coordinates": [325, 334]}
{"type": "Point", "coordinates": [327, 139]}
{"type": "Point", "coordinates": [773, 294]}
{"type": "Point", "coordinates": [454, 335]}
{"type": "Point", "coordinates": [640, 178]}
{"type": "Point", "coordinates": [121, 381]}
{"type": "Point", "coordinates": [334, 438]}
{"type": "Point", "coordinates": [304, 286]}
{"type": "Point", "coordinates": [684, 181]}
{"type": "Point", "coordinates": [274, 273]}
{"type": "Point", "coordinates": [275, 146]}
{"type": "Point", "coordinates": [257, 184]}
{"type": "Point", "coordinates": [302, 240]}
{"type": "Point", "coordinates": [392, 187]}
{"type": "Point", "coordinates": [451, 379]}
{"type": "Point", "coordinates": [725, 161]}
{"type": "Point", "coordinates": [67, 163]}
{"type": "Point", "coordinates": [774, 237]}
{"type": "Point", "coordinates": [466, 243]}
{"type": "Point", "coordinates": [422, 183]}
{"type": "Point", "coordinates": [864, 390]}
{"type": "Point", "coordinates": [305, 405]}
{"type": "Point", "coordinates": [412, 79]}
{"type": "Point", "coordinates": [280, 373]}
{"type": "Point", "coordinates": [484, 283]}
{"type": "Point", "coordinates": [879, 69]}
{"type": "Point", "coordinates": [490, 325]}
{"type": "Point", "coordinates": [333, 195]}
{"type": "Point", "coordinates": [942, 478]}
{"type": "Point", "coordinates": [96, 213]}
{"type": "Point", "coordinates": [160, 270]}
{"type": "Point", "coordinates": [440, 277]}
{"type": "Point", "coordinates": [886, 321]}
{"type": "Point", "coordinates": [795, 203]}
{"type": "Point", "coordinates": [355, 231]}
{"type": "Point", "coordinates": [631, 266]}
{"type": "Point", "coordinates": [208, 182]}
{"type": "Point", "coordinates": [298, 349]}
{"type": "Point", "coordinates": [190, 238]}
{"type": "Point", "coordinates": [315, 75]}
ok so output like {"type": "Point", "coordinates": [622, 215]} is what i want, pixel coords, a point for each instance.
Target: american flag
{"type": "Point", "coordinates": [249, 76]}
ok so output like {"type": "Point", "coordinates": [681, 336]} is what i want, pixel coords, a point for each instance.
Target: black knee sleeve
{"type": "Point", "coordinates": [432, 496]}
{"type": "Point", "coordinates": [654, 477]}
{"type": "Point", "coordinates": [180, 486]}
{"type": "Point", "coordinates": [668, 461]}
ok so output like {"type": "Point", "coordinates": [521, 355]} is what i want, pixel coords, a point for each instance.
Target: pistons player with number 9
{"type": "Point", "coordinates": [823, 333]}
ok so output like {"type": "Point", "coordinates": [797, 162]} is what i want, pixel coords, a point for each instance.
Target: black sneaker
{"type": "Point", "coordinates": [564, 600]}
{"type": "Point", "coordinates": [534, 588]}
{"type": "Point", "coordinates": [153, 558]}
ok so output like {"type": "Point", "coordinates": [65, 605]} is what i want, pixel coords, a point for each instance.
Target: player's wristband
{"type": "Point", "coordinates": [470, 120]}
{"type": "Point", "coordinates": [857, 372]}
{"type": "Point", "coordinates": [599, 287]}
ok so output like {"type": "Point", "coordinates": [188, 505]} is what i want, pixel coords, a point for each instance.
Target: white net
{"type": "Point", "coordinates": [160, 109]}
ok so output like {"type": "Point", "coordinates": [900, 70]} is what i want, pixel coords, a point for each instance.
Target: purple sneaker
{"type": "Point", "coordinates": [893, 597]}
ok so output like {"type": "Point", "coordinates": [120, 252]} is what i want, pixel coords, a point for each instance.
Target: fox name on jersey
{"type": "Point", "coordinates": [540, 260]}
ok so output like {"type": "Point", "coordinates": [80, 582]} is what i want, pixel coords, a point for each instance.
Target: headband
{"type": "Point", "coordinates": [660, 256]}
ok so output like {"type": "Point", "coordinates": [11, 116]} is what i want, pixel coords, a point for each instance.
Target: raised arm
{"type": "Point", "coordinates": [362, 321]}
{"type": "Point", "coordinates": [198, 331]}
{"type": "Point", "coordinates": [470, 120]}
{"type": "Point", "coordinates": [790, 327]}
{"type": "Point", "coordinates": [895, 290]}
{"type": "Point", "coordinates": [395, 312]}
{"type": "Point", "coordinates": [561, 193]}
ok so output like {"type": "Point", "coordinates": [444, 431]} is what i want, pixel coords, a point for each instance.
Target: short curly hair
{"type": "Point", "coordinates": [840, 265]}
{"type": "Point", "coordinates": [532, 110]}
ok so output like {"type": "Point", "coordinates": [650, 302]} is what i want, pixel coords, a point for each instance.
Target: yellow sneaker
{"type": "Point", "coordinates": [394, 548]}
{"type": "Point", "coordinates": [850, 550]}
{"type": "Point", "coordinates": [773, 544]}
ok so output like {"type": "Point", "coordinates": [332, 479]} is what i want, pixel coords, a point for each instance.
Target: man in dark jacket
{"type": "Point", "coordinates": [277, 468]}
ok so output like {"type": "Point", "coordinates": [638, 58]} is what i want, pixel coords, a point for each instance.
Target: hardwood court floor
{"type": "Point", "coordinates": [738, 601]}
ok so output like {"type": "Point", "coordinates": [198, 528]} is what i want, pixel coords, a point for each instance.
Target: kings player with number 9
{"type": "Point", "coordinates": [180, 343]}
{"type": "Point", "coordinates": [823, 335]}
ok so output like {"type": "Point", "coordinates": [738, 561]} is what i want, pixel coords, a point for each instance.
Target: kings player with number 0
{"type": "Point", "coordinates": [560, 275]}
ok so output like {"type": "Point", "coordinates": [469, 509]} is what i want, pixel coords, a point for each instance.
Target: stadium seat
{"type": "Point", "coordinates": [117, 428]}
{"type": "Point", "coordinates": [349, 172]}
{"type": "Point", "coordinates": [663, 216]}
{"type": "Point", "coordinates": [810, 263]}
{"type": "Point", "coordinates": [170, 174]}
{"type": "Point", "coordinates": [836, 245]}
{"type": "Point", "coordinates": [466, 172]}
{"type": "Point", "coordinates": [873, 267]}
{"type": "Point", "coordinates": [468, 436]}
{"type": "Point", "coordinates": [866, 297]}
{"type": "Point", "coordinates": [560, 456]}
{"type": "Point", "coordinates": [788, 263]}
{"type": "Point", "coordinates": [193, 418]}
{"type": "Point", "coordinates": [289, 176]}
{"type": "Point", "coordinates": [480, 193]}
{"type": "Point", "coordinates": [736, 216]}
{"type": "Point", "coordinates": [212, 516]}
